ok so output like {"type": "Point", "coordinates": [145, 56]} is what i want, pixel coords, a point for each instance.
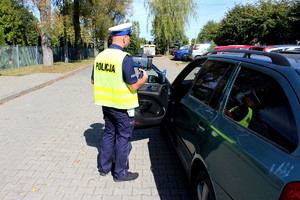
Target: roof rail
{"type": "Point", "coordinates": [276, 58]}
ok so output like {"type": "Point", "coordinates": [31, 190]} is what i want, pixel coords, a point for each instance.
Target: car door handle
{"type": "Point", "coordinates": [200, 127]}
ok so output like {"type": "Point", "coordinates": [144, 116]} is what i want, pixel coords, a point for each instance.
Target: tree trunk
{"type": "Point", "coordinates": [96, 46]}
{"type": "Point", "coordinates": [66, 53]}
{"type": "Point", "coordinates": [44, 7]}
{"type": "Point", "coordinates": [77, 30]}
{"type": "Point", "coordinates": [95, 40]}
{"type": "Point", "coordinates": [167, 51]}
{"type": "Point", "coordinates": [65, 11]}
{"type": "Point", "coordinates": [105, 43]}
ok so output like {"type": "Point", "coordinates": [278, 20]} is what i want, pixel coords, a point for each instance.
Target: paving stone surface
{"type": "Point", "coordinates": [49, 142]}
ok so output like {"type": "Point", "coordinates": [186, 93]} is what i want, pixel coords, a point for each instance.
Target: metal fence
{"type": "Point", "coordinates": [22, 56]}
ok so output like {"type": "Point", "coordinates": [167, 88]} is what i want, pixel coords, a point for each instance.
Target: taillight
{"type": "Point", "coordinates": [291, 191]}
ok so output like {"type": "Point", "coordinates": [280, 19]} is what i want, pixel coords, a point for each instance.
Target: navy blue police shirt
{"type": "Point", "coordinates": [129, 75]}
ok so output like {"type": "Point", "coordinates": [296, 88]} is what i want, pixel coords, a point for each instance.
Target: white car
{"type": "Point", "coordinates": [197, 50]}
{"type": "Point", "coordinates": [276, 48]}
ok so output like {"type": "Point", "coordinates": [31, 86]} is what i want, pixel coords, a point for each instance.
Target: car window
{"type": "Point", "coordinates": [211, 81]}
{"type": "Point", "coordinates": [154, 77]}
{"type": "Point", "coordinates": [184, 80]}
{"type": "Point", "coordinates": [258, 102]}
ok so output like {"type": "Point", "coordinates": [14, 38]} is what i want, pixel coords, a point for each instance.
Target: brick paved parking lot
{"type": "Point", "coordinates": [49, 145]}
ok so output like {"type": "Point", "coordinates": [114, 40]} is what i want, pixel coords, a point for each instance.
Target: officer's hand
{"type": "Point", "coordinates": [92, 82]}
{"type": "Point", "coordinates": [141, 81]}
{"type": "Point", "coordinates": [143, 74]}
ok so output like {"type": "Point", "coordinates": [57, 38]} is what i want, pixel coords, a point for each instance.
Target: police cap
{"type": "Point", "coordinates": [121, 29]}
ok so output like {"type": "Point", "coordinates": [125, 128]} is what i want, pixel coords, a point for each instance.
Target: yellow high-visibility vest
{"type": "Point", "coordinates": [246, 120]}
{"type": "Point", "coordinates": [109, 87]}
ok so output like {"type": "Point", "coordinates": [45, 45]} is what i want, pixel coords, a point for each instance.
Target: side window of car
{"type": "Point", "coordinates": [258, 102]}
{"type": "Point", "coordinates": [185, 80]}
{"type": "Point", "coordinates": [211, 81]}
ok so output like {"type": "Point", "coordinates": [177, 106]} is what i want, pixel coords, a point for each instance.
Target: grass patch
{"type": "Point", "coordinates": [58, 67]}
{"type": "Point", "coordinates": [185, 62]}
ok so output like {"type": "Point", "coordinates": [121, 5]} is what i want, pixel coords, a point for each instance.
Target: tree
{"type": "Point", "coordinates": [18, 26]}
{"type": "Point", "coordinates": [208, 32]}
{"type": "Point", "coordinates": [76, 22]}
{"type": "Point", "coordinates": [294, 22]}
{"type": "Point", "coordinates": [274, 22]}
{"type": "Point", "coordinates": [170, 18]}
{"type": "Point", "coordinates": [237, 26]}
{"type": "Point", "coordinates": [64, 19]}
{"type": "Point", "coordinates": [99, 15]}
{"type": "Point", "coordinates": [62, 30]}
{"type": "Point", "coordinates": [135, 40]}
{"type": "Point", "coordinates": [266, 22]}
{"type": "Point", "coordinates": [44, 6]}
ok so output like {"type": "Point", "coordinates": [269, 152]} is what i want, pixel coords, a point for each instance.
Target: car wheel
{"type": "Point", "coordinates": [185, 57]}
{"type": "Point", "coordinates": [202, 187]}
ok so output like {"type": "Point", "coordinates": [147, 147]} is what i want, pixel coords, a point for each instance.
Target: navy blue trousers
{"type": "Point", "coordinates": [116, 139]}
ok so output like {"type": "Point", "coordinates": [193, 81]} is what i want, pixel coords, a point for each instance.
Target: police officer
{"type": "Point", "coordinates": [115, 88]}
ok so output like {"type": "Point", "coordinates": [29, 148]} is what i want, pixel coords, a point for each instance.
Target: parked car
{"type": "Point", "coordinates": [173, 51]}
{"type": "Point", "coordinates": [276, 48]}
{"type": "Point", "coordinates": [224, 156]}
{"type": "Point", "coordinates": [234, 120]}
{"type": "Point", "coordinates": [182, 54]}
{"type": "Point", "coordinates": [197, 50]}
{"type": "Point", "coordinates": [235, 47]}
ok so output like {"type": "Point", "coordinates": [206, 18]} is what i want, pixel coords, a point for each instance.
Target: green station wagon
{"type": "Point", "coordinates": [234, 120]}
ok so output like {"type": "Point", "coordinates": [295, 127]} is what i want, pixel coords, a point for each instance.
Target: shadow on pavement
{"type": "Point", "coordinates": [170, 178]}
{"type": "Point", "coordinates": [93, 135]}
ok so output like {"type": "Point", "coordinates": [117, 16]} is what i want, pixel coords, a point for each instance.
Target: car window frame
{"type": "Point", "coordinates": [183, 74]}
{"type": "Point", "coordinates": [219, 108]}
{"type": "Point", "coordinates": [229, 69]}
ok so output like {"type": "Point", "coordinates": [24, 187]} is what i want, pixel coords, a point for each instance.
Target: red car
{"type": "Point", "coordinates": [235, 47]}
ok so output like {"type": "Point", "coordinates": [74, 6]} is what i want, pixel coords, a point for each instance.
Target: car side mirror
{"type": "Point", "coordinates": [152, 79]}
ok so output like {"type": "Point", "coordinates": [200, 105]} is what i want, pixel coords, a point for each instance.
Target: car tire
{"type": "Point", "coordinates": [202, 187]}
{"type": "Point", "coordinates": [185, 57]}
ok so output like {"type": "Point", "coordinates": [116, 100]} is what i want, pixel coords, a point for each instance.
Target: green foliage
{"type": "Point", "coordinates": [17, 24]}
{"type": "Point", "coordinates": [99, 15]}
{"type": "Point", "coordinates": [57, 29]}
{"type": "Point", "coordinates": [135, 40]}
{"type": "Point", "coordinates": [266, 22]}
{"type": "Point", "coordinates": [237, 28]}
{"type": "Point", "coordinates": [212, 46]}
{"type": "Point", "coordinates": [208, 32]}
{"type": "Point", "coordinates": [2, 36]}
{"type": "Point", "coordinates": [170, 19]}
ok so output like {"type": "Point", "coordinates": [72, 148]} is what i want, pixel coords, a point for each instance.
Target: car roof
{"type": "Point", "coordinates": [235, 46]}
{"type": "Point", "coordinates": [284, 45]}
{"type": "Point", "coordinates": [275, 47]}
{"type": "Point", "coordinates": [282, 59]}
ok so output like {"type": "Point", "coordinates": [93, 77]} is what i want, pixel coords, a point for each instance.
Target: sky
{"type": "Point", "coordinates": [206, 10]}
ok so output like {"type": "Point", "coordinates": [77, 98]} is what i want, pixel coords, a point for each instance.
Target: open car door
{"type": "Point", "coordinates": [153, 95]}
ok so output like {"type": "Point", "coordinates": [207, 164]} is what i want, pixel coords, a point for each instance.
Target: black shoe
{"type": "Point", "coordinates": [131, 176]}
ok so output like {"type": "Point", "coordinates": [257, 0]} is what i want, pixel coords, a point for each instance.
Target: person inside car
{"type": "Point", "coordinates": [243, 113]}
